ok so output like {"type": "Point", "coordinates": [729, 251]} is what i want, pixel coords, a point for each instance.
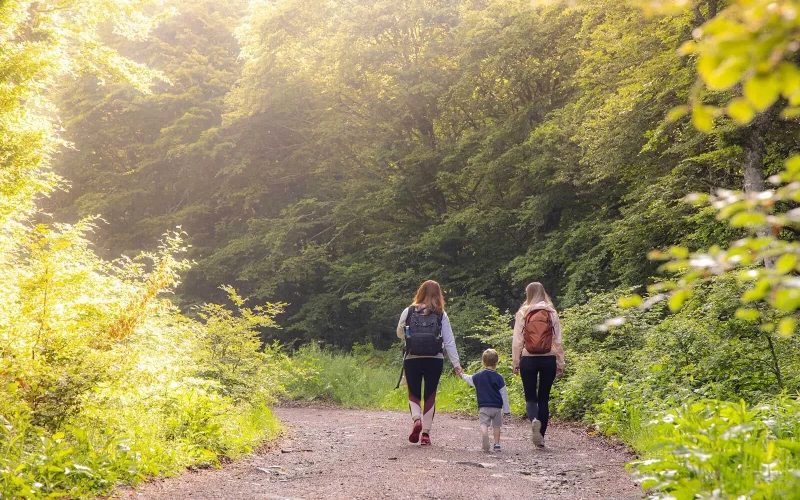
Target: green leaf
{"type": "Point", "coordinates": [748, 219]}
{"type": "Point", "coordinates": [754, 294]}
{"type": "Point", "coordinates": [634, 300]}
{"type": "Point", "coordinates": [703, 118]}
{"type": "Point", "coordinates": [725, 74]}
{"type": "Point", "coordinates": [786, 327]}
{"type": "Point", "coordinates": [792, 446]}
{"type": "Point", "coordinates": [790, 113]}
{"type": "Point", "coordinates": [679, 252]}
{"type": "Point", "coordinates": [747, 314]}
{"type": "Point", "coordinates": [786, 263]}
{"type": "Point", "coordinates": [677, 299]}
{"type": "Point", "coordinates": [762, 91]}
{"type": "Point", "coordinates": [787, 300]}
{"type": "Point", "coordinates": [741, 111]}
{"type": "Point", "coordinates": [677, 113]}
{"type": "Point", "coordinates": [793, 164]}
{"type": "Point", "coordinates": [790, 80]}
{"type": "Point", "coordinates": [689, 47]}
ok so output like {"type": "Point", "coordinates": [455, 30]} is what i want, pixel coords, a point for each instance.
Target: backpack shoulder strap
{"type": "Point", "coordinates": [440, 318]}
{"type": "Point", "coordinates": [408, 315]}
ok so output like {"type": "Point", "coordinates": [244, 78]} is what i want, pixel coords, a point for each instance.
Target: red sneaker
{"type": "Point", "coordinates": [426, 440]}
{"type": "Point", "coordinates": [414, 436]}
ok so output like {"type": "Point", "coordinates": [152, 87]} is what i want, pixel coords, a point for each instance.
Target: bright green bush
{"type": "Point", "coordinates": [104, 381]}
{"type": "Point", "coordinates": [582, 388]}
{"type": "Point", "coordinates": [663, 383]}
{"type": "Point", "coordinates": [715, 449]}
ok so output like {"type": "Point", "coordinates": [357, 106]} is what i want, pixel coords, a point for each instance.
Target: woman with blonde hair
{"type": "Point", "coordinates": [426, 330]}
{"type": "Point", "coordinates": [538, 355]}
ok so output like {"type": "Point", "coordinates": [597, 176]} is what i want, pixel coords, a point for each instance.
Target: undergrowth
{"type": "Point", "coordinates": [103, 381]}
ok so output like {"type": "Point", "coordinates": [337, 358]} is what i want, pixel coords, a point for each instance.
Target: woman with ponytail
{"type": "Point", "coordinates": [538, 355]}
{"type": "Point", "coordinates": [426, 330]}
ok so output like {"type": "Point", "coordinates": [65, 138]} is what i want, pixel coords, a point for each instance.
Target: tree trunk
{"type": "Point", "coordinates": [776, 367]}
{"type": "Point", "coordinates": [712, 9]}
{"type": "Point", "coordinates": [754, 151]}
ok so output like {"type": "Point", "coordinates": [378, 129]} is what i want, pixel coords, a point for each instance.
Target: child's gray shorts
{"type": "Point", "coordinates": [491, 417]}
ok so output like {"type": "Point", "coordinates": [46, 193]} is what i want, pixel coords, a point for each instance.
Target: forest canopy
{"type": "Point", "coordinates": [356, 148]}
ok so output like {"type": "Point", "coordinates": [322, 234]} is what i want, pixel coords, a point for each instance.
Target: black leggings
{"type": "Point", "coordinates": [541, 369]}
{"type": "Point", "coordinates": [417, 370]}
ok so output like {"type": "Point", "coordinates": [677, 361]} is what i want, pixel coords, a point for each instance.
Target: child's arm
{"type": "Point", "coordinates": [467, 379]}
{"type": "Point", "coordinates": [504, 394]}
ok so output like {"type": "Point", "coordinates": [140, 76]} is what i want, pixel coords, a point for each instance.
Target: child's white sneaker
{"type": "Point", "coordinates": [536, 433]}
{"type": "Point", "coordinates": [497, 448]}
{"type": "Point", "coordinates": [485, 440]}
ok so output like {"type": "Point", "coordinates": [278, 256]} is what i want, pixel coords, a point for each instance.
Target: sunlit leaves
{"type": "Point", "coordinates": [89, 344]}
{"type": "Point", "coordinates": [749, 44]}
{"type": "Point", "coordinates": [720, 74]}
{"type": "Point", "coordinates": [677, 113]}
{"type": "Point", "coordinates": [741, 111]}
{"type": "Point", "coordinates": [747, 314]}
{"type": "Point", "coordinates": [748, 219]}
{"type": "Point", "coordinates": [677, 298]}
{"type": "Point", "coordinates": [787, 326]}
{"type": "Point", "coordinates": [634, 300]}
{"type": "Point", "coordinates": [703, 117]}
{"type": "Point", "coordinates": [762, 91]}
{"type": "Point", "coordinates": [786, 263]}
{"type": "Point", "coordinates": [41, 44]}
{"type": "Point", "coordinates": [768, 263]}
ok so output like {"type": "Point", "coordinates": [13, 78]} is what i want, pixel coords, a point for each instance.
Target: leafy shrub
{"type": "Point", "coordinates": [103, 379]}
{"type": "Point", "coordinates": [37, 464]}
{"type": "Point", "coordinates": [582, 388]}
{"type": "Point", "coordinates": [229, 350]}
{"type": "Point", "coordinates": [715, 449]}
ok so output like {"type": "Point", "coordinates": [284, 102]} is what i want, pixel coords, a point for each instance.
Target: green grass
{"type": "Point", "coordinates": [366, 379]}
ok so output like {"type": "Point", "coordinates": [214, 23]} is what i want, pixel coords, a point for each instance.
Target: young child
{"type": "Point", "coordinates": [490, 388]}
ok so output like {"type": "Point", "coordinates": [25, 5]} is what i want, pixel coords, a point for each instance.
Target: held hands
{"type": "Point", "coordinates": [516, 370]}
{"type": "Point", "coordinates": [459, 370]}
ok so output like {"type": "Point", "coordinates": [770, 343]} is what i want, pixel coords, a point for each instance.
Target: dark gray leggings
{"type": "Point", "coordinates": [541, 371]}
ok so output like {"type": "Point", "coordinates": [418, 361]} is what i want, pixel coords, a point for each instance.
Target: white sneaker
{"type": "Point", "coordinates": [536, 433]}
{"type": "Point", "coordinates": [485, 440]}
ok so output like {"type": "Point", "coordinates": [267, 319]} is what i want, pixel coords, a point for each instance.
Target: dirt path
{"type": "Point", "coordinates": [347, 454]}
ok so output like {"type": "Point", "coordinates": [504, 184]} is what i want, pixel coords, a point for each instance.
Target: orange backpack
{"type": "Point", "coordinates": [538, 331]}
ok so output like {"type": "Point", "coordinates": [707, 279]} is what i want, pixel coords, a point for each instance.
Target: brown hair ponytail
{"type": "Point", "coordinates": [429, 294]}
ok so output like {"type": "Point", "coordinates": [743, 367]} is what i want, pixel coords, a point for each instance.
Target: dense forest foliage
{"type": "Point", "coordinates": [329, 156]}
{"type": "Point", "coordinates": [361, 150]}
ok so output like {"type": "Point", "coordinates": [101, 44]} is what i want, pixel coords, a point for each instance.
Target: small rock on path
{"type": "Point", "coordinates": [352, 454]}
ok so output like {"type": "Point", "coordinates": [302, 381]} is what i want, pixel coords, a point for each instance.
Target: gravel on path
{"type": "Point", "coordinates": [352, 454]}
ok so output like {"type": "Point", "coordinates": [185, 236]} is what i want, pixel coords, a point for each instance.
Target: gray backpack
{"type": "Point", "coordinates": [425, 333]}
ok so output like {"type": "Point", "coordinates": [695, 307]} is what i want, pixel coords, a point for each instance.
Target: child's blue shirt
{"type": "Point", "coordinates": [490, 387]}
